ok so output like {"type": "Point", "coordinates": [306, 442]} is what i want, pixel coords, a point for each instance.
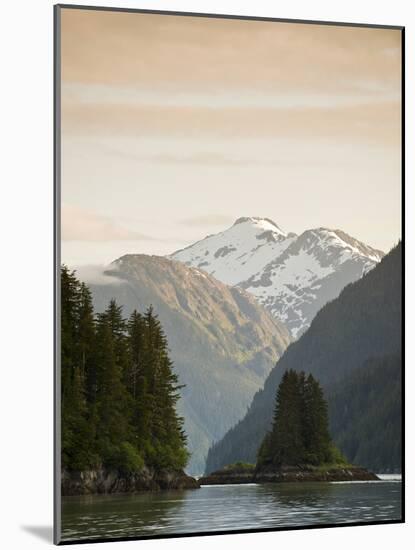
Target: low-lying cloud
{"type": "Point", "coordinates": [99, 274]}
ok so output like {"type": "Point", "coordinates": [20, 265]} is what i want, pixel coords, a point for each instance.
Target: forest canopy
{"type": "Point", "coordinates": [118, 388]}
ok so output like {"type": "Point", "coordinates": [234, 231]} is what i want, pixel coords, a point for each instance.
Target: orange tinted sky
{"type": "Point", "coordinates": [174, 126]}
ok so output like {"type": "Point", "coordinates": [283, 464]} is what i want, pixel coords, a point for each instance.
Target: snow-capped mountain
{"type": "Point", "coordinates": [293, 276]}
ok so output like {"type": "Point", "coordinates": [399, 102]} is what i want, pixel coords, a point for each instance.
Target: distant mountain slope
{"type": "Point", "coordinates": [362, 323]}
{"type": "Point", "coordinates": [292, 276]}
{"type": "Point", "coordinates": [222, 342]}
{"type": "Point", "coordinates": [365, 412]}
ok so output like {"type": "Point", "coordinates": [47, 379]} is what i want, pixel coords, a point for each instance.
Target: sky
{"type": "Point", "coordinates": [173, 127]}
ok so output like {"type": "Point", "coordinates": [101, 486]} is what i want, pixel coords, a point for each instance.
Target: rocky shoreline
{"type": "Point", "coordinates": [103, 481]}
{"type": "Point", "coordinates": [287, 474]}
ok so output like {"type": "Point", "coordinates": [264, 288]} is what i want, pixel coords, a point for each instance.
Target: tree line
{"type": "Point", "coordinates": [118, 387]}
{"type": "Point", "coordinates": [300, 427]}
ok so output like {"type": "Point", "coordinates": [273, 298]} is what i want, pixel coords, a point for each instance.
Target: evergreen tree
{"type": "Point", "coordinates": [69, 298]}
{"type": "Point", "coordinates": [85, 340]}
{"type": "Point", "coordinates": [316, 435]}
{"type": "Point", "coordinates": [299, 433]}
{"type": "Point", "coordinates": [138, 382]}
{"type": "Point", "coordinates": [118, 327]}
{"type": "Point", "coordinates": [287, 437]}
{"type": "Point", "coordinates": [77, 430]}
{"type": "Point", "coordinates": [135, 330]}
{"type": "Point", "coordinates": [113, 403]}
{"type": "Point", "coordinates": [167, 435]}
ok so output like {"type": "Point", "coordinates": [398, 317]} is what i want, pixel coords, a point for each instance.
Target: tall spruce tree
{"type": "Point", "coordinates": [299, 433]}
{"type": "Point", "coordinates": [135, 335]}
{"type": "Point", "coordinates": [77, 428]}
{"type": "Point", "coordinates": [113, 403]}
{"type": "Point", "coordinates": [167, 436]}
{"type": "Point", "coordinates": [138, 381]}
{"type": "Point", "coordinates": [85, 340]}
{"type": "Point", "coordinates": [69, 299]}
{"type": "Point", "coordinates": [287, 445]}
{"type": "Point", "coordinates": [317, 441]}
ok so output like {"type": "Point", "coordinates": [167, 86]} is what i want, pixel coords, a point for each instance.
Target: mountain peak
{"type": "Point", "coordinates": [337, 238]}
{"type": "Point", "coordinates": [263, 223]}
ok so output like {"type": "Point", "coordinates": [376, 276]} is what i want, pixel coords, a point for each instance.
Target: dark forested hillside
{"type": "Point", "coordinates": [119, 390]}
{"type": "Point", "coordinates": [362, 323]}
{"type": "Point", "coordinates": [365, 414]}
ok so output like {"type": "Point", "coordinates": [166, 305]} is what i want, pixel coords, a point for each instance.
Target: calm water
{"type": "Point", "coordinates": [228, 507]}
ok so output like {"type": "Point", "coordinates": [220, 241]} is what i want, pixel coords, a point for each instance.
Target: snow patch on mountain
{"type": "Point", "coordinates": [232, 256]}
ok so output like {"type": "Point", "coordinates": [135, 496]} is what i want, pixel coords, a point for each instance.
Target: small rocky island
{"type": "Point", "coordinates": [237, 474]}
{"type": "Point", "coordinates": [298, 447]}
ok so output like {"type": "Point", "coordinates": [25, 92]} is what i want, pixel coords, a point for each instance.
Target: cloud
{"type": "Point", "coordinates": [121, 121]}
{"type": "Point", "coordinates": [98, 274]}
{"type": "Point", "coordinates": [208, 220]}
{"type": "Point", "coordinates": [110, 95]}
{"type": "Point", "coordinates": [83, 225]}
{"type": "Point", "coordinates": [205, 53]}
{"type": "Point", "coordinates": [200, 158]}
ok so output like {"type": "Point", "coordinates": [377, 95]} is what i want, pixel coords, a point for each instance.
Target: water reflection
{"type": "Point", "coordinates": [119, 515]}
{"type": "Point", "coordinates": [229, 507]}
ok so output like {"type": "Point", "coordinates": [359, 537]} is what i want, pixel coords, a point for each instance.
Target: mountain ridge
{"type": "Point", "coordinates": [292, 275]}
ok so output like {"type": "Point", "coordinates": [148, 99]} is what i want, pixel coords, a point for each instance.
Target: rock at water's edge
{"type": "Point", "coordinates": [103, 481]}
{"type": "Point", "coordinates": [288, 474]}
{"type": "Point", "coordinates": [233, 473]}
